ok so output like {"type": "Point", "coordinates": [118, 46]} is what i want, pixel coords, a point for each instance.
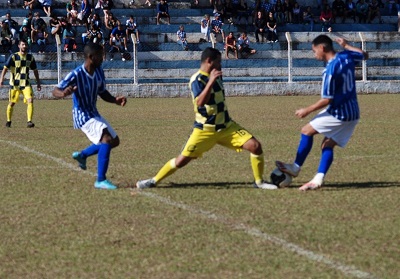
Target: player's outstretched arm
{"type": "Point", "coordinates": [344, 44]}
{"type": "Point", "coordinates": [106, 96]}
{"type": "Point", "coordinates": [58, 93]}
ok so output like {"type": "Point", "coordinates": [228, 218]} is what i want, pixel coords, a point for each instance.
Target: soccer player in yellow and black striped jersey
{"type": "Point", "coordinates": [19, 65]}
{"type": "Point", "coordinates": [212, 125]}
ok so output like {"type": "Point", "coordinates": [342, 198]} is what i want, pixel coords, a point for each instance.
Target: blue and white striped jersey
{"type": "Point", "coordinates": [339, 84]}
{"type": "Point", "coordinates": [85, 97]}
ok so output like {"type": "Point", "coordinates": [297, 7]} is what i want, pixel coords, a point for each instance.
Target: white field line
{"type": "Point", "coordinates": [345, 269]}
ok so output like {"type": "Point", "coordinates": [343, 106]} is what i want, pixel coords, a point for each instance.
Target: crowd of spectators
{"type": "Point", "coordinates": [104, 28]}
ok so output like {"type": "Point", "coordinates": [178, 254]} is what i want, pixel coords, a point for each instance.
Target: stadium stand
{"type": "Point", "coordinates": [160, 64]}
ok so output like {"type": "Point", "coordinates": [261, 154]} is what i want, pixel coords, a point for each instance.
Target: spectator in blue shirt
{"type": "Point", "coordinates": [162, 11]}
{"type": "Point", "coordinates": [244, 46]}
{"type": "Point", "coordinates": [216, 26]}
{"type": "Point", "coordinates": [118, 35]}
{"type": "Point", "coordinates": [181, 38]}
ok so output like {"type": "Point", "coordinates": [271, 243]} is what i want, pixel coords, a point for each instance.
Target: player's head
{"type": "Point", "coordinates": [23, 45]}
{"type": "Point", "coordinates": [321, 46]}
{"type": "Point", "coordinates": [212, 56]}
{"type": "Point", "coordinates": [93, 53]}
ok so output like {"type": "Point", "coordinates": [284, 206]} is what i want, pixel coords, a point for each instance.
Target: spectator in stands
{"type": "Point", "coordinates": [118, 35]}
{"type": "Point", "coordinates": [25, 35]}
{"type": "Point", "coordinates": [216, 26]}
{"type": "Point", "coordinates": [96, 20]}
{"type": "Point", "coordinates": [84, 14]}
{"type": "Point", "coordinates": [55, 25]}
{"type": "Point", "coordinates": [131, 28]}
{"type": "Point", "coordinates": [350, 10]}
{"type": "Point", "coordinates": [163, 11]}
{"type": "Point", "coordinates": [6, 37]}
{"type": "Point", "coordinates": [27, 22]}
{"type": "Point", "coordinates": [72, 12]}
{"type": "Point", "coordinates": [69, 35]}
{"type": "Point", "coordinates": [36, 23]}
{"type": "Point", "coordinates": [260, 24]}
{"type": "Point", "coordinates": [374, 11]}
{"type": "Point", "coordinates": [244, 48]}
{"type": "Point", "coordinates": [29, 4]}
{"type": "Point", "coordinates": [338, 10]}
{"type": "Point", "coordinates": [116, 46]}
{"type": "Point", "coordinates": [46, 5]}
{"type": "Point", "coordinates": [12, 24]}
{"type": "Point", "coordinates": [42, 39]}
{"type": "Point", "coordinates": [288, 10]}
{"type": "Point", "coordinates": [241, 10]}
{"type": "Point", "coordinates": [272, 35]}
{"type": "Point", "coordinates": [205, 27]}
{"type": "Point", "coordinates": [326, 19]}
{"type": "Point", "coordinates": [230, 45]}
{"type": "Point", "coordinates": [106, 6]}
{"type": "Point", "coordinates": [308, 18]}
{"type": "Point", "coordinates": [279, 12]}
{"type": "Point", "coordinates": [219, 8]}
{"type": "Point", "coordinates": [297, 15]}
{"type": "Point", "coordinates": [110, 24]}
{"type": "Point", "coordinates": [362, 11]}
{"type": "Point", "coordinates": [95, 35]}
{"type": "Point", "coordinates": [181, 38]}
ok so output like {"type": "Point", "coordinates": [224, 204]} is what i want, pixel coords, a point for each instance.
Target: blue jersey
{"type": "Point", "coordinates": [85, 96]}
{"type": "Point", "coordinates": [339, 84]}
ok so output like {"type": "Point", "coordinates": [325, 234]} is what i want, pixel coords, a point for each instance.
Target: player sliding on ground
{"type": "Point", "coordinates": [338, 121]}
{"type": "Point", "coordinates": [213, 125]}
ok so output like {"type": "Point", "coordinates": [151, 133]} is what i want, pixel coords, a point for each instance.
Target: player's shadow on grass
{"type": "Point", "coordinates": [214, 185]}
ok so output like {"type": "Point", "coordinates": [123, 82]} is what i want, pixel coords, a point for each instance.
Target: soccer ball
{"type": "Point", "coordinates": [280, 179]}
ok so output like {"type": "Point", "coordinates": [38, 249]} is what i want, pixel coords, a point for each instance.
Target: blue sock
{"type": "Point", "coordinates": [103, 159]}
{"type": "Point", "coordinates": [305, 145]}
{"type": "Point", "coordinates": [326, 160]}
{"type": "Point", "coordinates": [90, 150]}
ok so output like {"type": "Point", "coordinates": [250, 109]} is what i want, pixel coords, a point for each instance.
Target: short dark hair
{"type": "Point", "coordinates": [323, 40]}
{"type": "Point", "coordinates": [211, 53]}
{"type": "Point", "coordinates": [91, 49]}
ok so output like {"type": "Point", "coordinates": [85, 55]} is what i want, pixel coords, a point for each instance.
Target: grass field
{"type": "Point", "coordinates": [205, 221]}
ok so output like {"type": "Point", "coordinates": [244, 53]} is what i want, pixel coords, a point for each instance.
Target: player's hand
{"type": "Point", "coordinates": [120, 100]}
{"type": "Point", "coordinates": [301, 113]}
{"type": "Point", "coordinates": [69, 90]}
{"type": "Point", "coordinates": [342, 42]}
{"type": "Point", "coordinates": [39, 87]}
{"type": "Point", "coordinates": [215, 74]}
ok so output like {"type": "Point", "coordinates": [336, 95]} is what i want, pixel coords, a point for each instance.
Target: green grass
{"type": "Point", "coordinates": [206, 220]}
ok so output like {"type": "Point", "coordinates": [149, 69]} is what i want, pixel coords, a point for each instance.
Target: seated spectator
{"type": "Point", "coordinates": [326, 19]}
{"type": "Point", "coordinates": [6, 37]}
{"type": "Point", "coordinates": [96, 20]}
{"type": "Point", "coordinates": [116, 47]}
{"type": "Point", "coordinates": [230, 45]}
{"type": "Point", "coordinates": [55, 25]}
{"type": "Point", "coordinates": [181, 38]}
{"type": "Point", "coordinates": [106, 6]}
{"type": "Point", "coordinates": [69, 35]}
{"type": "Point", "coordinates": [279, 12]}
{"type": "Point", "coordinates": [216, 26]}
{"type": "Point", "coordinates": [118, 35]}
{"type": "Point", "coordinates": [131, 28]}
{"type": "Point", "coordinates": [244, 48]}
{"type": "Point", "coordinates": [84, 14]}
{"type": "Point", "coordinates": [338, 10]}
{"type": "Point", "coordinates": [46, 5]}
{"type": "Point", "coordinates": [29, 4]}
{"type": "Point", "coordinates": [94, 35]}
{"type": "Point", "coordinates": [308, 18]}
{"type": "Point", "coordinates": [288, 10]}
{"type": "Point", "coordinates": [297, 15]}
{"type": "Point", "coordinates": [162, 11]}
{"type": "Point", "coordinates": [205, 27]}
{"type": "Point", "coordinates": [272, 35]}
{"type": "Point", "coordinates": [25, 34]}
{"type": "Point", "coordinates": [42, 39]}
{"type": "Point", "coordinates": [27, 22]}
{"type": "Point", "coordinates": [36, 23]}
{"type": "Point", "coordinates": [374, 11]}
{"type": "Point", "coordinates": [12, 24]}
{"type": "Point", "coordinates": [110, 24]}
{"type": "Point", "coordinates": [362, 11]}
{"type": "Point", "coordinates": [350, 10]}
{"type": "Point", "coordinates": [72, 12]}
{"type": "Point", "coordinates": [260, 24]}
{"type": "Point", "coordinates": [219, 8]}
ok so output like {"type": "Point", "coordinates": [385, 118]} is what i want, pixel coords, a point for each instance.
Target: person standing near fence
{"type": "Point", "coordinates": [341, 115]}
{"type": "Point", "coordinates": [19, 65]}
{"type": "Point", "coordinates": [213, 125]}
{"type": "Point", "coordinates": [85, 83]}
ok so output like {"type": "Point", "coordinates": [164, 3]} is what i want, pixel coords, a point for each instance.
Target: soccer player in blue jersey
{"type": "Point", "coordinates": [85, 83]}
{"type": "Point", "coordinates": [213, 125]}
{"type": "Point", "coordinates": [341, 114]}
